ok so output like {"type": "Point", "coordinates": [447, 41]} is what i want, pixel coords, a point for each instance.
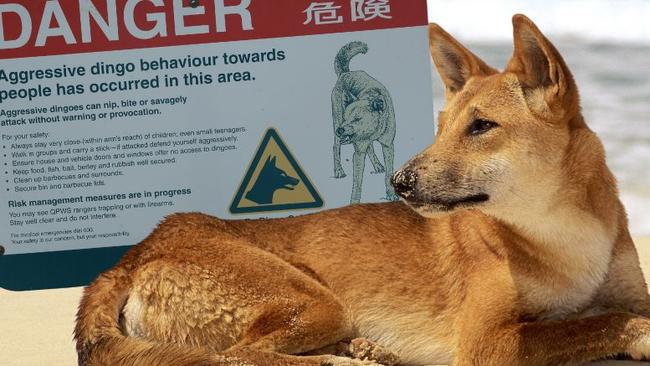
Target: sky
{"type": "Point", "coordinates": [592, 20]}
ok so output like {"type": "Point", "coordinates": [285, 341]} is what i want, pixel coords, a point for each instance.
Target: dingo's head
{"type": "Point", "coordinates": [270, 179]}
{"type": "Point", "coordinates": [503, 137]}
{"type": "Point", "coordinates": [362, 118]}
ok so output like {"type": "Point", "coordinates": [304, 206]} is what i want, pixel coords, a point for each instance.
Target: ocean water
{"type": "Point", "coordinates": [610, 60]}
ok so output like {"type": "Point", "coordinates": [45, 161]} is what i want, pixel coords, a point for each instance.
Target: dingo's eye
{"type": "Point", "coordinates": [481, 126]}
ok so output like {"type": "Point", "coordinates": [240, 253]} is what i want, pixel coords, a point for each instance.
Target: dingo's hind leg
{"type": "Point", "coordinates": [237, 301]}
{"type": "Point", "coordinates": [376, 164]}
{"type": "Point", "coordinates": [389, 155]}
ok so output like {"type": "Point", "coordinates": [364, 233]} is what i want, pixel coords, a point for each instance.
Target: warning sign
{"type": "Point", "coordinates": [274, 181]}
{"type": "Point", "coordinates": [117, 113]}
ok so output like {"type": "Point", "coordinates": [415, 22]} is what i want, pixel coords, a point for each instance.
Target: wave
{"type": "Point", "coordinates": [607, 21]}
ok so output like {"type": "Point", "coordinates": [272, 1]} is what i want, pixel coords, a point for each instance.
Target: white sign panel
{"type": "Point", "coordinates": [114, 114]}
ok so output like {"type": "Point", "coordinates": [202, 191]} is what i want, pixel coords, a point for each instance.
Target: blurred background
{"type": "Point", "coordinates": [606, 44]}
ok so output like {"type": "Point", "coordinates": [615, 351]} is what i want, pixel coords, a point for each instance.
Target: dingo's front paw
{"type": "Point", "coordinates": [339, 173]}
{"type": "Point", "coordinates": [364, 349]}
{"type": "Point", "coordinates": [640, 350]}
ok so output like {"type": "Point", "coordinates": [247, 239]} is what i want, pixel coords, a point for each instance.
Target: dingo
{"type": "Point", "coordinates": [271, 179]}
{"type": "Point", "coordinates": [512, 249]}
{"type": "Point", "coordinates": [363, 112]}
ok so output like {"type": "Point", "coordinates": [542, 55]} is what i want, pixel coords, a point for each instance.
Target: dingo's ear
{"type": "Point", "coordinates": [455, 63]}
{"type": "Point", "coordinates": [377, 105]}
{"type": "Point", "coordinates": [539, 66]}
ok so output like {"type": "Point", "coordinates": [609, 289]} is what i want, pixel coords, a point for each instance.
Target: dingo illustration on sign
{"type": "Point", "coordinates": [363, 113]}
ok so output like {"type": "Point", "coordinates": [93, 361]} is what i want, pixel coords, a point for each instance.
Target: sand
{"type": "Point", "coordinates": [36, 326]}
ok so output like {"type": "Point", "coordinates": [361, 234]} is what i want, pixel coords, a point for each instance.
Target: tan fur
{"type": "Point", "coordinates": [539, 271]}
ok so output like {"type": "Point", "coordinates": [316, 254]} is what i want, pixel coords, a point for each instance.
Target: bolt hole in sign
{"type": "Point", "coordinates": [116, 113]}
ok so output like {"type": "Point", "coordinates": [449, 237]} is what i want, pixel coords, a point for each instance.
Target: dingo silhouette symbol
{"type": "Point", "coordinates": [271, 179]}
{"type": "Point", "coordinates": [274, 181]}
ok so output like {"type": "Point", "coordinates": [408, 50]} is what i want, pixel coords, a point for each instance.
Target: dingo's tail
{"type": "Point", "coordinates": [342, 60]}
{"type": "Point", "coordinates": [100, 341]}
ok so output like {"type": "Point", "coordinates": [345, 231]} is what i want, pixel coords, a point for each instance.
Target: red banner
{"type": "Point", "coordinates": [38, 28]}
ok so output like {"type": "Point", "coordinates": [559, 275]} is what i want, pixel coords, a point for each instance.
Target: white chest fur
{"type": "Point", "coordinates": [577, 249]}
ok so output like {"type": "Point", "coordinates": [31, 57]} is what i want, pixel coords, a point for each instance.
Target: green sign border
{"type": "Point", "coordinates": [47, 270]}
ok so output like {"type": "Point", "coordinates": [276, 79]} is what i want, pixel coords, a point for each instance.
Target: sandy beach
{"type": "Point", "coordinates": [37, 325]}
